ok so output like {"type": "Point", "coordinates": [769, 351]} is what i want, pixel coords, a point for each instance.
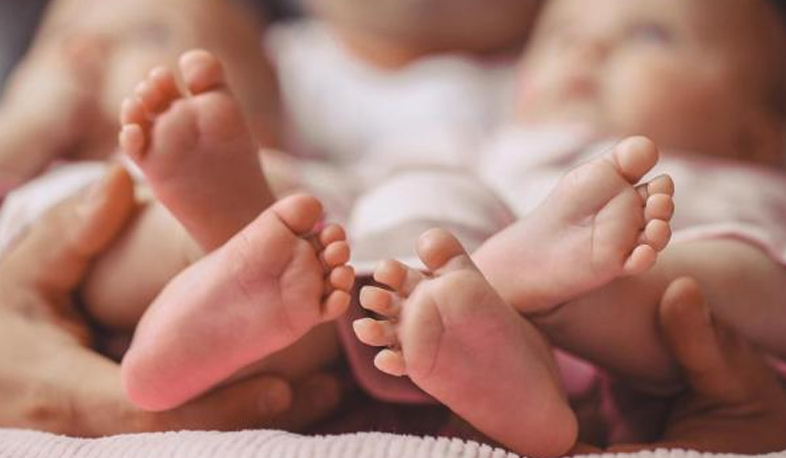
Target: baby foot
{"type": "Point", "coordinates": [596, 225]}
{"type": "Point", "coordinates": [195, 149]}
{"type": "Point", "coordinates": [260, 292]}
{"type": "Point", "coordinates": [451, 333]}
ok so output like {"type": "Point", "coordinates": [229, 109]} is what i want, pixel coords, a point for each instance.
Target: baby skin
{"type": "Point", "coordinates": [445, 328]}
{"type": "Point", "coordinates": [264, 284]}
{"type": "Point", "coordinates": [598, 224]}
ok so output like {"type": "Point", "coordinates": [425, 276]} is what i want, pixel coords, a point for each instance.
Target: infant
{"type": "Point", "coordinates": [705, 81]}
{"type": "Point", "coordinates": [593, 237]}
{"type": "Point", "coordinates": [267, 286]}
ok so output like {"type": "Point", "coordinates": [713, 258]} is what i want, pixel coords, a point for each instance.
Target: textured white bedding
{"type": "Point", "coordinates": [266, 443]}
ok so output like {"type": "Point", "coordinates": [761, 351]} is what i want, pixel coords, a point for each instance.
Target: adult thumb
{"type": "Point", "coordinates": [699, 343]}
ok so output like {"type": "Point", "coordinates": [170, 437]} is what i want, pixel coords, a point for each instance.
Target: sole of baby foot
{"type": "Point", "coordinates": [196, 149]}
{"type": "Point", "coordinates": [445, 328]}
{"type": "Point", "coordinates": [600, 222]}
{"type": "Point", "coordinates": [264, 289]}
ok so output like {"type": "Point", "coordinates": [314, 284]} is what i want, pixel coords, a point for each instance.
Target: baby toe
{"type": "Point", "coordinates": [299, 212]}
{"type": "Point", "coordinates": [657, 234]}
{"type": "Point", "coordinates": [375, 333]}
{"type": "Point", "coordinates": [391, 362]}
{"type": "Point", "coordinates": [397, 276]}
{"type": "Point", "coordinates": [132, 111]}
{"type": "Point", "coordinates": [659, 206]}
{"type": "Point", "coordinates": [158, 91]}
{"type": "Point", "coordinates": [330, 234]}
{"type": "Point", "coordinates": [336, 254]}
{"type": "Point", "coordinates": [380, 301]}
{"type": "Point", "coordinates": [132, 141]}
{"type": "Point", "coordinates": [335, 305]}
{"type": "Point", "coordinates": [164, 79]}
{"type": "Point", "coordinates": [662, 184]}
{"type": "Point", "coordinates": [150, 97]}
{"type": "Point", "coordinates": [642, 258]}
{"type": "Point", "coordinates": [634, 157]}
{"type": "Point", "coordinates": [202, 71]}
{"type": "Point", "coordinates": [438, 247]}
{"type": "Point", "coordinates": [342, 278]}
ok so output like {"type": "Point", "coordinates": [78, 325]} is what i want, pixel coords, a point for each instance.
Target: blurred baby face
{"type": "Point", "coordinates": [435, 25]}
{"type": "Point", "coordinates": [143, 34]}
{"type": "Point", "coordinates": [691, 74]}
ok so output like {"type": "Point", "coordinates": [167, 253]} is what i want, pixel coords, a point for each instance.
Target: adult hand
{"type": "Point", "coordinates": [734, 403]}
{"type": "Point", "coordinates": [50, 378]}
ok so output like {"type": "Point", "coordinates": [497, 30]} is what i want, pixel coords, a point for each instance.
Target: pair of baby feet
{"type": "Point", "coordinates": [461, 340]}
{"type": "Point", "coordinates": [274, 270]}
{"type": "Point", "coordinates": [280, 276]}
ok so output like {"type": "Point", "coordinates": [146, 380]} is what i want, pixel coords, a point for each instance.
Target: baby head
{"type": "Point", "coordinates": [138, 35]}
{"type": "Point", "coordinates": [394, 32]}
{"type": "Point", "coordinates": [706, 76]}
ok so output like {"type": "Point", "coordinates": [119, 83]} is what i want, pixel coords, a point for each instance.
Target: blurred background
{"type": "Point", "coordinates": [18, 20]}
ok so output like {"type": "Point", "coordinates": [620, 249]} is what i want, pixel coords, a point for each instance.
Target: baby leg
{"type": "Point", "coordinates": [451, 333]}
{"type": "Point", "coordinates": [596, 225]}
{"type": "Point", "coordinates": [123, 282]}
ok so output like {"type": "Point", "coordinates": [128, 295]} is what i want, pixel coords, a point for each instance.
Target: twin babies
{"type": "Point", "coordinates": [580, 270]}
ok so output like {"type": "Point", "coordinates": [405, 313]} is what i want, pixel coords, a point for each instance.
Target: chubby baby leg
{"type": "Point", "coordinates": [452, 334]}
{"type": "Point", "coordinates": [126, 278]}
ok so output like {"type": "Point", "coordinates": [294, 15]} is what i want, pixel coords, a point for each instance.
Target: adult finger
{"type": "Point", "coordinates": [99, 406]}
{"type": "Point", "coordinates": [693, 337]}
{"type": "Point", "coordinates": [250, 403]}
{"type": "Point", "coordinates": [734, 402]}
{"type": "Point", "coordinates": [314, 398]}
{"type": "Point", "coordinates": [55, 254]}
{"type": "Point", "coordinates": [719, 364]}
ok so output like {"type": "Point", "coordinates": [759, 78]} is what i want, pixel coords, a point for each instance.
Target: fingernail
{"type": "Point", "coordinates": [275, 399]}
